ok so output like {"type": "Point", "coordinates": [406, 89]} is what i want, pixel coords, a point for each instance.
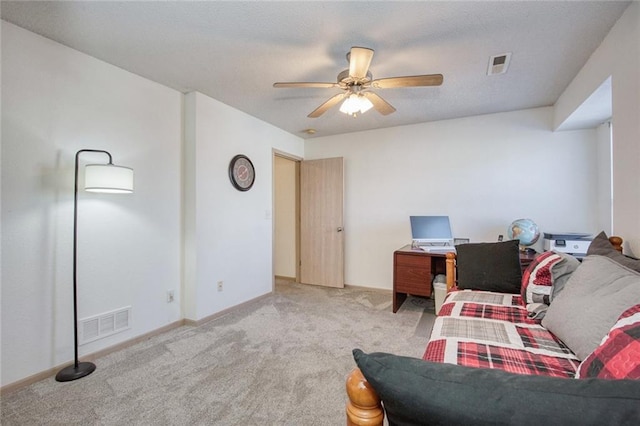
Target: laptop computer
{"type": "Point", "coordinates": [431, 230]}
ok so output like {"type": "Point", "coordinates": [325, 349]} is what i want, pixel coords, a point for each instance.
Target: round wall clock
{"type": "Point", "coordinates": [242, 172]}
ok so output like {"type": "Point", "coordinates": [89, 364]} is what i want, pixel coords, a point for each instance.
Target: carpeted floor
{"type": "Point", "coordinates": [282, 360]}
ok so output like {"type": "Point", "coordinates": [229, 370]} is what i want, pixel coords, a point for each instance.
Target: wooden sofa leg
{"type": "Point", "coordinates": [363, 408]}
{"type": "Point", "coordinates": [616, 242]}
{"type": "Point", "coordinates": [450, 264]}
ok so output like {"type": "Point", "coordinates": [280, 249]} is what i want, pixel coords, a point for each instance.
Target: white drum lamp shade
{"type": "Point", "coordinates": [108, 178]}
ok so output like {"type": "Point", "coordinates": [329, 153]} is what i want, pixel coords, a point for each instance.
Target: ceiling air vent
{"type": "Point", "coordinates": [498, 64]}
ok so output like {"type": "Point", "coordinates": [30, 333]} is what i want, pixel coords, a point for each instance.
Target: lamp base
{"type": "Point", "coordinates": [72, 372]}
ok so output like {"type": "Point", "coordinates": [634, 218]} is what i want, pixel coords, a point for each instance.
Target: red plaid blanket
{"type": "Point", "coordinates": [492, 330]}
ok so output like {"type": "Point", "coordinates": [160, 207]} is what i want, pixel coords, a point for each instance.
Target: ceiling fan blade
{"type": "Point", "coordinates": [359, 61]}
{"type": "Point", "coordinates": [303, 84]}
{"type": "Point", "coordinates": [328, 104]}
{"type": "Point", "coordinates": [410, 81]}
{"type": "Point", "coordinates": [382, 106]}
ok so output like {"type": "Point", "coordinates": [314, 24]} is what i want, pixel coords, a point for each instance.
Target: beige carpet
{"type": "Point", "coordinates": [279, 361]}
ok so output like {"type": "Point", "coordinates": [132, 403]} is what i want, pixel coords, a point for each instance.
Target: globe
{"type": "Point", "coordinates": [524, 230]}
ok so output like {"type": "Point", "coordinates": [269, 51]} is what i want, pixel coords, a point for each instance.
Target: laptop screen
{"type": "Point", "coordinates": [431, 229]}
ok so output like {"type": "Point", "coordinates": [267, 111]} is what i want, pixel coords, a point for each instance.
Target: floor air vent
{"type": "Point", "coordinates": [103, 325]}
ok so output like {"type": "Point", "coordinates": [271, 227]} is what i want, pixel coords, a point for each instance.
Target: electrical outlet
{"type": "Point", "coordinates": [170, 296]}
{"type": "Point", "coordinates": [219, 285]}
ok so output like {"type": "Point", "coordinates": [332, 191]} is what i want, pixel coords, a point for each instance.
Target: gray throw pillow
{"type": "Point", "coordinates": [561, 272]}
{"type": "Point", "coordinates": [592, 300]}
{"type": "Point", "coordinates": [602, 247]}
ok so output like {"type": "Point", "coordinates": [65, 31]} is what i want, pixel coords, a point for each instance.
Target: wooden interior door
{"type": "Point", "coordinates": [321, 222]}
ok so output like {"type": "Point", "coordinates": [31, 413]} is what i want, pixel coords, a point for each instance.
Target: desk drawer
{"type": "Point", "coordinates": [412, 260]}
{"type": "Point", "coordinates": [412, 274]}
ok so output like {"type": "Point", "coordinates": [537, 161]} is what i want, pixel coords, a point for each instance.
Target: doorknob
{"type": "Point", "coordinates": [340, 229]}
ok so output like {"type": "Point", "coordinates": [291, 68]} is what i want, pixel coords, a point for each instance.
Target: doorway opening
{"type": "Point", "coordinates": [308, 237]}
{"type": "Point", "coordinates": [286, 202]}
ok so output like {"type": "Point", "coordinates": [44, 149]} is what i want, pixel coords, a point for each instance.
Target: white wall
{"type": "Point", "coordinates": [229, 233]}
{"type": "Point", "coordinates": [482, 171]}
{"type": "Point", "coordinates": [56, 101]}
{"type": "Point", "coordinates": [604, 200]}
{"type": "Point", "coordinates": [619, 57]}
{"type": "Point", "coordinates": [285, 217]}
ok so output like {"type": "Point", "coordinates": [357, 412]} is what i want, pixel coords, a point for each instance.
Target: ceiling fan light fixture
{"type": "Point", "coordinates": [355, 103]}
{"type": "Point", "coordinates": [365, 104]}
{"type": "Point", "coordinates": [358, 85]}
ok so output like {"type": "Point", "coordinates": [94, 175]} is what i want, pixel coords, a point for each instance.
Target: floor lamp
{"type": "Point", "coordinates": [98, 178]}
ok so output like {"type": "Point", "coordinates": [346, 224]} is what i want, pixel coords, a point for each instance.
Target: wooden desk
{"type": "Point", "coordinates": [413, 271]}
{"type": "Point", "coordinates": [525, 259]}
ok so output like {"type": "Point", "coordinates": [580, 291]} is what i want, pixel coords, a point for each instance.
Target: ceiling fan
{"type": "Point", "coordinates": [357, 83]}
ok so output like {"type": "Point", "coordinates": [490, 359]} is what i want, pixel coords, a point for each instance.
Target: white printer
{"type": "Point", "coordinates": [575, 244]}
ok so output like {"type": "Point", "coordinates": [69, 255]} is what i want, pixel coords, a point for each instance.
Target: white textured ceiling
{"type": "Point", "coordinates": [234, 51]}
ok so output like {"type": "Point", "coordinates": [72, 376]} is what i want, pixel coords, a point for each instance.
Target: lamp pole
{"type": "Point", "coordinates": [78, 369]}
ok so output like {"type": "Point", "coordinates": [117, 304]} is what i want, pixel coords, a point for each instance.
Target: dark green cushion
{"type": "Point", "coordinates": [489, 266]}
{"type": "Point", "coordinates": [417, 392]}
